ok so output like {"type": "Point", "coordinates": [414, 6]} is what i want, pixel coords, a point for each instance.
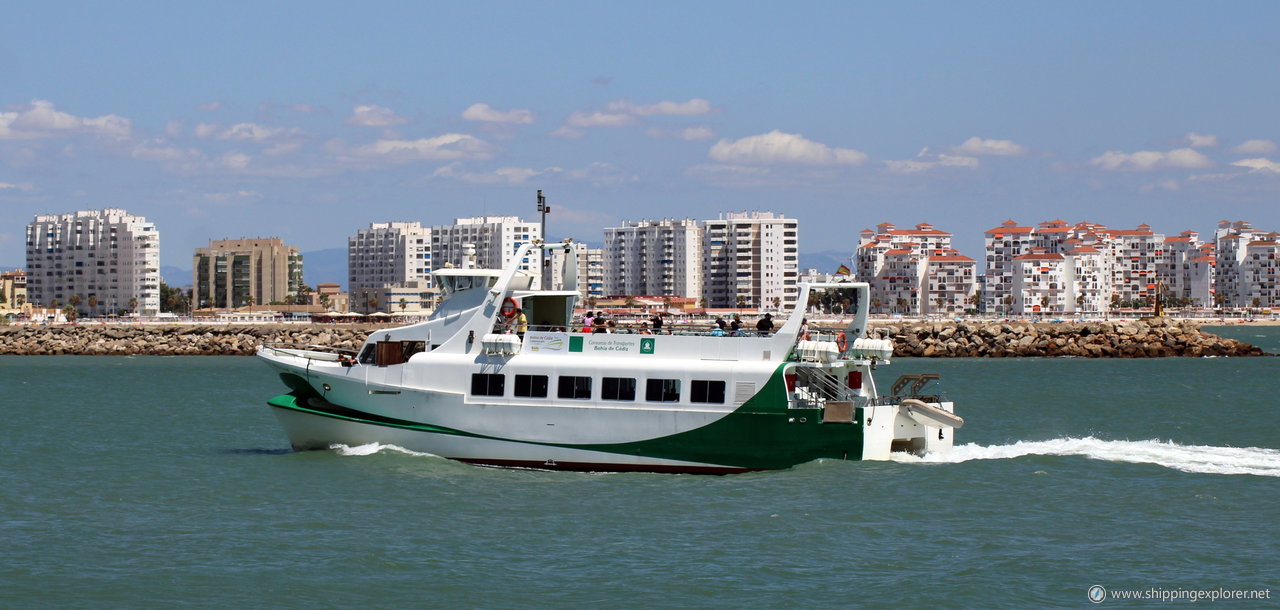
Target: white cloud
{"type": "Point", "coordinates": [601, 174]}
{"type": "Point", "coordinates": [447, 147]}
{"type": "Point", "coordinates": [1147, 160]}
{"type": "Point", "coordinates": [210, 106]}
{"type": "Point", "coordinates": [979, 146]}
{"type": "Point", "coordinates": [489, 114]}
{"type": "Point", "coordinates": [374, 116]}
{"type": "Point", "coordinates": [776, 147]}
{"type": "Point", "coordinates": [568, 133]}
{"type": "Point", "coordinates": [173, 129]}
{"type": "Point", "coordinates": [1197, 140]}
{"type": "Point", "coordinates": [1255, 147]}
{"type": "Point", "coordinates": [503, 175]}
{"type": "Point", "coordinates": [689, 134]}
{"type": "Point", "coordinates": [243, 132]}
{"type": "Point", "coordinates": [1259, 165]}
{"type": "Point", "coordinates": [694, 106]}
{"type": "Point", "coordinates": [158, 150]}
{"type": "Point", "coordinates": [232, 198]}
{"type": "Point", "coordinates": [6, 185]}
{"type": "Point", "coordinates": [600, 119]}
{"type": "Point", "coordinates": [41, 120]}
{"type": "Point", "coordinates": [926, 161]}
{"type": "Point", "coordinates": [1163, 185]}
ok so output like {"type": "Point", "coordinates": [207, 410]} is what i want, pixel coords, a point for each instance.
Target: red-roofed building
{"type": "Point", "coordinates": [913, 271]}
{"type": "Point", "coordinates": [1246, 263]}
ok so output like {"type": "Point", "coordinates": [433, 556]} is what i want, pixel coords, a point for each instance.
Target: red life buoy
{"type": "Point", "coordinates": [842, 343]}
{"type": "Point", "coordinates": [508, 308]}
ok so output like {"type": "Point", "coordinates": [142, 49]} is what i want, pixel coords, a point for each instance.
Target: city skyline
{"type": "Point", "coordinates": [309, 121]}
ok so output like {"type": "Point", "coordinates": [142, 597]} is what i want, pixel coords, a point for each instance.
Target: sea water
{"type": "Point", "coordinates": [151, 482]}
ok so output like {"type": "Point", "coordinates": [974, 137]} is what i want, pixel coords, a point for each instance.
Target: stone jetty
{"type": "Point", "coordinates": [1129, 339]}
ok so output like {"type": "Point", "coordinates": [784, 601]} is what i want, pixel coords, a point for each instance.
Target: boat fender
{"type": "Point", "coordinates": [842, 343]}
{"type": "Point", "coordinates": [508, 308]}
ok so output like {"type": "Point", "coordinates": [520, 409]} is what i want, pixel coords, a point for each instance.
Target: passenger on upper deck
{"type": "Point", "coordinates": [765, 325]}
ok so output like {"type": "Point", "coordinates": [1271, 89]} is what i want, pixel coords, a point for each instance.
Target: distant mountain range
{"type": "Point", "coordinates": [330, 265]}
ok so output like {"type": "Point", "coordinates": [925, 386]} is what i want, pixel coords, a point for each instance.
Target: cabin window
{"type": "Point", "coordinates": [574, 387]}
{"type": "Point", "coordinates": [701, 390]}
{"type": "Point", "coordinates": [531, 386]}
{"type": "Point", "coordinates": [662, 390]}
{"type": "Point", "coordinates": [485, 384]}
{"type": "Point", "coordinates": [618, 388]}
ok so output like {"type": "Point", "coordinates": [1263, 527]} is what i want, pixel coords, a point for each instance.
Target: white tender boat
{"type": "Point", "coordinates": [466, 385]}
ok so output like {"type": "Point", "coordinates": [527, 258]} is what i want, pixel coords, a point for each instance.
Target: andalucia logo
{"type": "Point", "coordinates": [646, 346]}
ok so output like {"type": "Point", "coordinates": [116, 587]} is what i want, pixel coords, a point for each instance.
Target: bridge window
{"type": "Point", "coordinates": [662, 390]}
{"type": "Point", "coordinates": [531, 386]}
{"type": "Point", "coordinates": [706, 391]}
{"type": "Point", "coordinates": [484, 384]}
{"type": "Point", "coordinates": [618, 388]}
{"type": "Point", "coordinates": [574, 387]}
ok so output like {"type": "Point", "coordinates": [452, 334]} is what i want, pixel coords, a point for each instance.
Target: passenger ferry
{"type": "Point", "coordinates": [468, 385]}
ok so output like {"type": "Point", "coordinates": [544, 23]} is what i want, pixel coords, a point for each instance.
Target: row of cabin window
{"type": "Point", "coordinates": [611, 388]}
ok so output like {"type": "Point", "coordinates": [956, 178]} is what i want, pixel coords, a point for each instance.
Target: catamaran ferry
{"type": "Point", "coordinates": [467, 385]}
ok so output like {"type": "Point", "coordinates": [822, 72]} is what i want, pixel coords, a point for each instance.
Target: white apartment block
{"type": "Point", "coordinates": [496, 240]}
{"type": "Point", "coordinates": [1182, 279]}
{"type": "Point", "coordinates": [750, 259]}
{"type": "Point", "coordinates": [1136, 254]}
{"type": "Point", "coordinates": [914, 271]}
{"type": "Point", "coordinates": [590, 264]}
{"type": "Point", "coordinates": [1246, 265]}
{"type": "Point", "coordinates": [385, 254]}
{"type": "Point", "coordinates": [108, 261]}
{"type": "Point", "coordinates": [951, 279]}
{"type": "Point", "coordinates": [654, 258]}
{"type": "Point", "coordinates": [1091, 282]}
{"type": "Point", "coordinates": [1041, 282]}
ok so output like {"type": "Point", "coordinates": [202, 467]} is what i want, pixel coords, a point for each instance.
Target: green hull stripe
{"type": "Point", "coordinates": [761, 434]}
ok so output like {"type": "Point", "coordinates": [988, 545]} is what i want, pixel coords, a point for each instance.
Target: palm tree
{"type": "Point", "coordinates": [70, 312]}
{"type": "Point", "coordinates": [74, 302]}
{"type": "Point", "coordinates": [404, 304]}
{"type": "Point", "coordinates": [93, 304]}
{"type": "Point", "coordinates": [133, 304]}
{"type": "Point", "coordinates": [325, 300]}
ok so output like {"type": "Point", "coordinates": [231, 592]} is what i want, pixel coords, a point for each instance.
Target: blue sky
{"type": "Point", "coordinates": [308, 120]}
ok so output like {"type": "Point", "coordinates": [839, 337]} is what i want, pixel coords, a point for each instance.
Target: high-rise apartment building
{"type": "Point", "coordinates": [386, 254]}
{"type": "Point", "coordinates": [1246, 265]}
{"type": "Point", "coordinates": [496, 240]}
{"type": "Point", "coordinates": [233, 273]}
{"type": "Point", "coordinates": [750, 259]}
{"type": "Point", "coordinates": [914, 271]}
{"type": "Point", "coordinates": [654, 258]}
{"type": "Point", "coordinates": [590, 269]}
{"type": "Point", "coordinates": [99, 261]}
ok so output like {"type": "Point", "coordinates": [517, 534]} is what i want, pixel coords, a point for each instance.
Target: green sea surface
{"type": "Point", "coordinates": [155, 482]}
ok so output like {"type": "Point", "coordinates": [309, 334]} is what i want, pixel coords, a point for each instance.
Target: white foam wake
{"type": "Point", "coordinates": [1187, 458]}
{"type": "Point", "coordinates": [373, 448]}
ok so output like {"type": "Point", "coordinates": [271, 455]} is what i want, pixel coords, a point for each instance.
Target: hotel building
{"type": "Point", "coordinates": [655, 258]}
{"type": "Point", "coordinates": [750, 259]}
{"type": "Point", "coordinates": [102, 261]}
{"type": "Point", "coordinates": [386, 254]}
{"type": "Point", "coordinates": [233, 273]}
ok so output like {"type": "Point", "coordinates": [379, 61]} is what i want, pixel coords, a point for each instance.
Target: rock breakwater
{"type": "Point", "coordinates": [1129, 339]}
{"type": "Point", "coordinates": [175, 340]}
{"type": "Point", "coordinates": [1150, 338]}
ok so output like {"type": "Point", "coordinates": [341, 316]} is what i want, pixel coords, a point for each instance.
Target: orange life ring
{"type": "Point", "coordinates": [509, 308]}
{"type": "Point", "coordinates": [842, 343]}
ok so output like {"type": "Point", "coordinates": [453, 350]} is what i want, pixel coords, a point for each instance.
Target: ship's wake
{"type": "Point", "coordinates": [373, 448]}
{"type": "Point", "coordinates": [1187, 458]}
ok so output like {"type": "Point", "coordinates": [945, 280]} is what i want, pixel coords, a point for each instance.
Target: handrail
{"type": "Point", "coordinates": [280, 346]}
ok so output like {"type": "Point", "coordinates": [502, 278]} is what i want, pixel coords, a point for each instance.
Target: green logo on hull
{"type": "Point", "coordinates": [575, 344]}
{"type": "Point", "coordinates": [646, 346]}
